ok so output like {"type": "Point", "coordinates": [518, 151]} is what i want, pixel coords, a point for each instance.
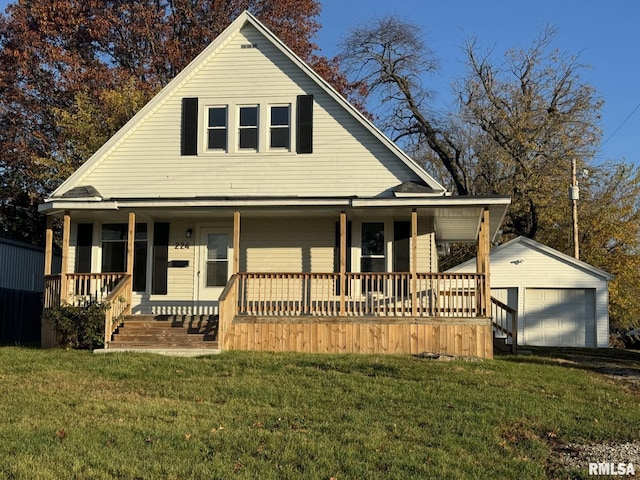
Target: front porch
{"type": "Point", "coordinates": [408, 311]}
{"type": "Point", "coordinates": [319, 312]}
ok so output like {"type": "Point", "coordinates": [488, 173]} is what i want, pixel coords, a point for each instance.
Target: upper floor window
{"type": "Point", "coordinates": [248, 128]}
{"type": "Point", "coordinates": [280, 127]}
{"type": "Point", "coordinates": [217, 128]}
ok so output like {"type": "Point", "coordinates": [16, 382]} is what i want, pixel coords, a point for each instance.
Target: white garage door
{"type": "Point", "coordinates": [559, 317]}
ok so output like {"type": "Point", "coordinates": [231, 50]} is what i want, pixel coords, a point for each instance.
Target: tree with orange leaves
{"type": "Point", "coordinates": [73, 72]}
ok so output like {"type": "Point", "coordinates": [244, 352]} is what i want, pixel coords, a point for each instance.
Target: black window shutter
{"type": "Point", "coordinates": [305, 124]}
{"type": "Point", "coordinates": [160, 258]}
{"type": "Point", "coordinates": [401, 246]}
{"type": "Point", "coordinates": [83, 247]}
{"type": "Point", "coordinates": [189, 140]}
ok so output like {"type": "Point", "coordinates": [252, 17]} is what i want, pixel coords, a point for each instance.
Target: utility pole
{"type": "Point", "coordinates": [574, 195]}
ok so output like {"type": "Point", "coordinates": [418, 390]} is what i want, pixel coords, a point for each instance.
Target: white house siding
{"type": "Point", "coordinates": [287, 245]}
{"type": "Point", "coordinates": [427, 260]}
{"type": "Point", "coordinates": [520, 265]}
{"type": "Point", "coordinates": [147, 160]}
{"type": "Point", "coordinates": [180, 280]}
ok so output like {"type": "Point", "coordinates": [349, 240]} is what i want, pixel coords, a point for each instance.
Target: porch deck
{"type": "Point", "coordinates": [327, 312]}
{"type": "Point", "coordinates": [357, 313]}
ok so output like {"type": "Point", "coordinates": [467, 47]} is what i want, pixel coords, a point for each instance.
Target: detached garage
{"type": "Point", "coordinates": [561, 301]}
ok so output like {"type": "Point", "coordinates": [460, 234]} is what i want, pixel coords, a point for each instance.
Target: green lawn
{"type": "Point", "coordinates": [70, 414]}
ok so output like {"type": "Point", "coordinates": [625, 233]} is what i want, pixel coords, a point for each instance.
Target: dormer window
{"type": "Point", "coordinates": [248, 128]}
{"type": "Point", "coordinates": [280, 120]}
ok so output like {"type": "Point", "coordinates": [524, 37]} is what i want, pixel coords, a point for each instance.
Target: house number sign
{"type": "Point", "coordinates": [182, 246]}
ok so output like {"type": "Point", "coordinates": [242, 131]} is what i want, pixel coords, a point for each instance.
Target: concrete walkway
{"type": "Point", "coordinates": [172, 352]}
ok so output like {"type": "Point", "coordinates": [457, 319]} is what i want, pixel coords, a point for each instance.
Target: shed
{"type": "Point", "coordinates": [21, 285]}
{"type": "Point", "coordinates": [561, 301]}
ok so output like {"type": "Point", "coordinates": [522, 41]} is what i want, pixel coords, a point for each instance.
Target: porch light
{"type": "Point", "coordinates": [188, 233]}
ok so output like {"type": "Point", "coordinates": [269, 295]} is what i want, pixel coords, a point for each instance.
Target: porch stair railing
{"type": "Point", "coordinates": [119, 300]}
{"type": "Point", "coordinates": [505, 321]}
{"type": "Point", "coordinates": [79, 289]}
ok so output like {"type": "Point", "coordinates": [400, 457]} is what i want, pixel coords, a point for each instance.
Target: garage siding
{"type": "Point", "coordinates": [542, 277]}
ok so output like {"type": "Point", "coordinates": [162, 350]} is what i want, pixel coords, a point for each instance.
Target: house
{"type": "Point", "coordinates": [560, 301]}
{"type": "Point", "coordinates": [21, 286]}
{"type": "Point", "coordinates": [250, 194]}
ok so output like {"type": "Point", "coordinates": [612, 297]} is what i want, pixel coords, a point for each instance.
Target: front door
{"type": "Point", "coordinates": [214, 266]}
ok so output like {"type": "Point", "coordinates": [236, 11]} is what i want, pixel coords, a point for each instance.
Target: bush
{"type": "Point", "coordinates": [80, 327]}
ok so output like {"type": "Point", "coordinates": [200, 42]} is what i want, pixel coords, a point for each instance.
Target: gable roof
{"type": "Point", "coordinates": [544, 249]}
{"type": "Point", "coordinates": [246, 18]}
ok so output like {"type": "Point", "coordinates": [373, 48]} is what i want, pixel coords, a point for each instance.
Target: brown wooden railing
{"type": "Point", "coordinates": [505, 320]}
{"type": "Point", "coordinates": [288, 294]}
{"type": "Point", "coordinates": [365, 294]}
{"type": "Point", "coordinates": [79, 288]}
{"type": "Point", "coordinates": [227, 308]}
{"type": "Point", "coordinates": [51, 297]}
{"type": "Point", "coordinates": [119, 300]}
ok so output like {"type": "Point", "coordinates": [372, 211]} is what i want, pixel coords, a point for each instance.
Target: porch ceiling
{"type": "Point", "coordinates": [456, 219]}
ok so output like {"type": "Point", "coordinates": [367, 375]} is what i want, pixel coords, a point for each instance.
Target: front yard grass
{"type": "Point", "coordinates": [70, 414]}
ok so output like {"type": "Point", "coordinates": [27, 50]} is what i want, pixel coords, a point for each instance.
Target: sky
{"type": "Point", "coordinates": [604, 33]}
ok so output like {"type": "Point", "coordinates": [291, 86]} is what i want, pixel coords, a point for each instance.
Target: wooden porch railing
{"type": "Point", "coordinates": [119, 300]}
{"type": "Point", "coordinates": [79, 288]}
{"type": "Point", "coordinates": [227, 308]}
{"type": "Point", "coordinates": [505, 320]}
{"type": "Point", "coordinates": [365, 294]}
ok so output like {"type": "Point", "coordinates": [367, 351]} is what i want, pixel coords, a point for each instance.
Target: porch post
{"type": "Point", "coordinates": [66, 234]}
{"type": "Point", "coordinates": [236, 242]}
{"type": "Point", "coordinates": [131, 234]}
{"type": "Point", "coordinates": [48, 248]}
{"type": "Point", "coordinates": [482, 263]}
{"type": "Point", "coordinates": [343, 263]}
{"type": "Point", "coordinates": [131, 237]}
{"type": "Point", "coordinates": [414, 262]}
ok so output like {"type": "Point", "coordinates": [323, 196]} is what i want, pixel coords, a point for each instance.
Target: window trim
{"type": "Point", "coordinates": [233, 105]}
{"type": "Point", "coordinates": [239, 128]}
{"type": "Point", "coordinates": [209, 128]}
{"type": "Point", "coordinates": [286, 126]}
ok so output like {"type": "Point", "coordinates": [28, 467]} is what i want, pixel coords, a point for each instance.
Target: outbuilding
{"type": "Point", "coordinates": [561, 301]}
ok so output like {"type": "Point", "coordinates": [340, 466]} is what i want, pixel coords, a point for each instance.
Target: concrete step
{"type": "Point", "coordinates": [130, 345]}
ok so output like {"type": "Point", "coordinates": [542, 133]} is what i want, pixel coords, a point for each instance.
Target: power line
{"type": "Point", "coordinates": [621, 125]}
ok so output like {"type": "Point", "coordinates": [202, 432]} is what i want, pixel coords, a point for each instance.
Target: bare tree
{"type": "Point", "coordinates": [533, 114]}
{"type": "Point", "coordinates": [391, 59]}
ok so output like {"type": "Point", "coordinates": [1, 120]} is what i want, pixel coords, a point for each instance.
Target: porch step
{"type": "Point", "coordinates": [139, 332]}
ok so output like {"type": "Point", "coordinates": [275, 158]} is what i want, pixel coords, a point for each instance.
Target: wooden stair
{"type": "Point", "coordinates": [140, 332]}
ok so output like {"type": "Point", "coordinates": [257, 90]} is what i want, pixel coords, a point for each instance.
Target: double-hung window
{"type": "Point", "coordinates": [217, 128]}
{"type": "Point", "coordinates": [279, 133]}
{"type": "Point", "coordinates": [248, 128]}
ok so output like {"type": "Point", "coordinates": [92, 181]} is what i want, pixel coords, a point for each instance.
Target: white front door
{"type": "Point", "coordinates": [214, 267]}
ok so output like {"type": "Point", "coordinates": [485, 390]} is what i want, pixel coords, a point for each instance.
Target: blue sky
{"type": "Point", "coordinates": [605, 34]}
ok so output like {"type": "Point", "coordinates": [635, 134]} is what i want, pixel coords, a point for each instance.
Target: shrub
{"type": "Point", "coordinates": [80, 327]}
